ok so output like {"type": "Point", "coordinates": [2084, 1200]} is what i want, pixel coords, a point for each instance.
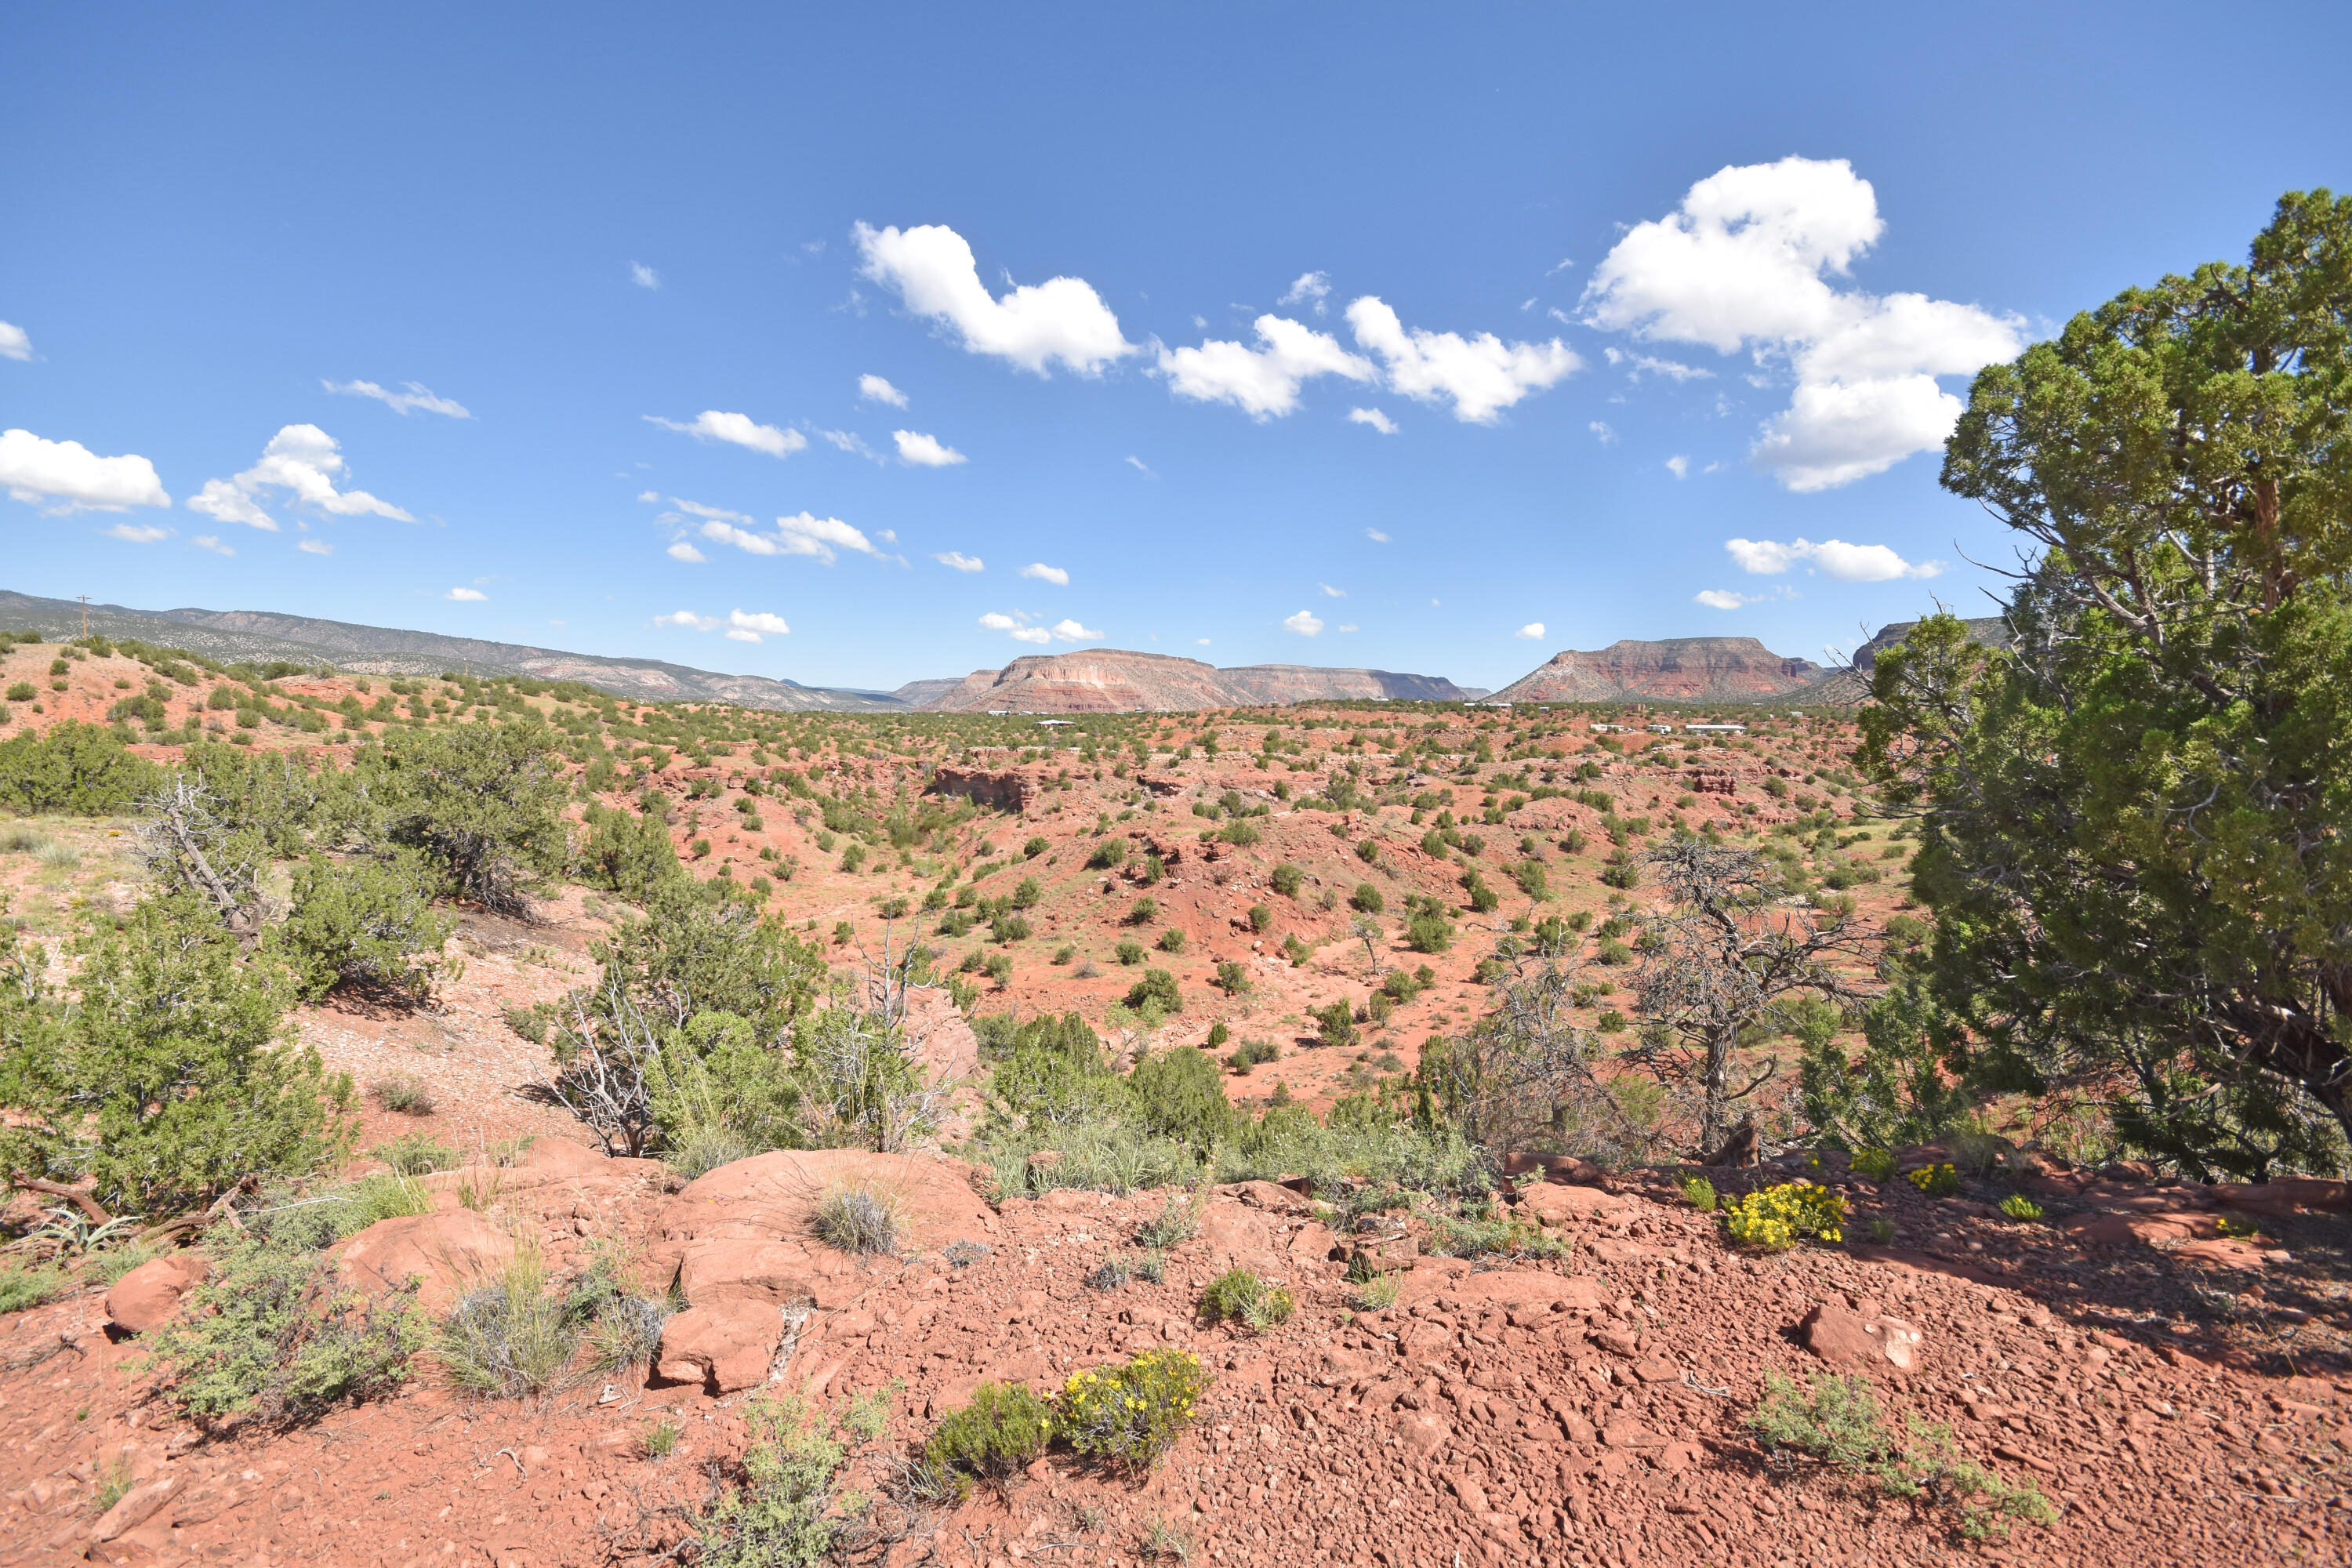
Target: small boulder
{"type": "Point", "coordinates": [1556, 1205]}
{"type": "Point", "coordinates": [725, 1347]}
{"type": "Point", "coordinates": [1846, 1339]}
{"type": "Point", "coordinates": [149, 1296]}
{"type": "Point", "coordinates": [449, 1253]}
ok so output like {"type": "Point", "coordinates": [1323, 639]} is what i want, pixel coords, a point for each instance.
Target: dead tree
{"type": "Point", "coordinates": [184, 845]}
{"type": "Point", "coordinates": [1729, 954]}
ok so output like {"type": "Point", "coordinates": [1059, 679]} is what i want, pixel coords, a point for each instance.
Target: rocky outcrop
{"type": "Point", "coordinates": [1112, 680]}
{"type": "Point", "coordinates": [149, 1296]}
{"type": "Point", "coordinates": [1676, 670]}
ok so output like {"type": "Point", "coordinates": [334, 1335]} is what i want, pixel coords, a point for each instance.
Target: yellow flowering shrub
{"type": "Point", "coordinates": [1773, 1219]}
{"type": "Point", "coordinates": [1131, 1414]}
{"type": "Point", "coordinates": [1935, 1181]}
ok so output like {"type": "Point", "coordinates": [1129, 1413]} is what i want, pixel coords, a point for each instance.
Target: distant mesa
{"type": "Point", "coordinates": [1112, 681]}
{"type": "Point", "coordinates": [1676, 670]}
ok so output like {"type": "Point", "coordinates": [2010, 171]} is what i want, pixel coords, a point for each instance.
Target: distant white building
{"type": "Point", "coordinates": [1714, 729]}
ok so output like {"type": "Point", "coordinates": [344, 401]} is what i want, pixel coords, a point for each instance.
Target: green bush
{"type": "Point", "coordinates": [1699, 1193]}
{"type": "Point", "coordinates": [1171, 941]}
{"type": "Point", "coordinates": [479, 802]}
{"type": "Point", "coordinates": [1048, 1073]}
{"type": "Point", "coordinates": [1035, 846]}
{"type": "Point", "coordinates": [1179, 1094]}
{"type": "Point", "coordinates": [22, 1288]}
{"type": "Point", "coordinates": [1260, 918]}
{"type": "Point", "coordinates": [1429, 932]}
{"type": "Point", "coordinates": [1287, 879]}
{"type": "Point", "coordinates": [510, 1337]}
{"type": "Point", "coordinates": [1367, 897]}
{"type": "Point", "coordinates": [628, 852]}
{"type": "Point", "coordinates": [1251, 1053]}
{"type": "Point", "coordinates": [415, 1154]}
{"type": "Point", "coordinates": [1129, 1415]}
{"type": "Point", "coordinates": [269, 1337]}
{"type": "Point", "coordinates": [1874, 1164]}
{"type": "Point", "coordinates": [1130, 952]}
{"type": "Point", "coordinates": [173, 1075]}
{"type": "Point", "coordinates": [366, 924]}
{"type": "Point", "coordinates": [778, 1513]}
{"type": "Point", "coordinates": [77, 768]}
{"type": "Point", "coordinates": [1157, 987]}
{"type": "Point", "coordinates": [1239, 1296]}
{"type": "Point", "coordinates": [2018, 1207]}
{"type": "Point", "coordinates": [996, 1435]}
{"type": "Point", "coordinates": [1335, 1025]}
{"type": "Point", "coordinates": [1232, 979]}
{"type": "Point", "coordinates": [1108, 854]}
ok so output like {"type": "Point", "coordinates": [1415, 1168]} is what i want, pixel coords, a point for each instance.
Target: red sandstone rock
{"type": "Point", "coordinates": [1847, 1340]}
{"type": "Point", "coordinates": [724, 1347]}
{"type": "Point", "coordinates": [149, 1296]}
{"type": "Point", "coordinates": [449, 1253]}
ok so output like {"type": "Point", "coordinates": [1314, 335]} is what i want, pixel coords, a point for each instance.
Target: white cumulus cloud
{"type": "Point", "coordinates": [1373, 417]}
{"type": "Point", "coordinates": [957, 560]}
{"type": "Point", "coordinates": [1723, 598]}
{"type": "Point", "coordinates": [1533, 631]}
{"type": "Point", "coordinates": [751, 626]}
{"type": "Point", "coordinates": [932, 268]}
{"type": "Point", "coordinates": [919, 450]}
{"type": "Point", "coordinates": [417, 396]}
{"type": "Point", "coordinates": [465, 595]}
{"type": "Point", "coordinates": [15, 341]}
{"type": "Point", "coordinates": [1305, 623]}
{"type": "Point", "coordinates": [1756, 259]}
{"type": "Point", "coordinates": [1678, 465]}
{"type": "Point", "coordinates": [138, 532]}
{"type": "Point", "coordinates": [643, 276]}
{"type": "Point", "coordinates": [302, 460]}
{"type": "Point", "coordinates": [686, 552]}
{"type": "Point", "coordinates": [1045, 573]}
{"type": "Point", "coordinates": [689, 620]}
{"type": "Point", "coordinates": [1264, 381]}
{"type": "Point", "coordinates": [1070, 631]}
{"type": "Point", "coordinates": [736, 430]}
{"type": "Point", "coordinates": [874, 389]}
{"type": "Point", "coordinates": [1016, 626]}
{"type": "Point", "coordinates": [65, 476]}
{"type": "Point", "coordinates": [1834, 557]}
{"type": "Point", "coordinates": [802, 534]}
{"type": "Point", "coordinates": [1480, 375]}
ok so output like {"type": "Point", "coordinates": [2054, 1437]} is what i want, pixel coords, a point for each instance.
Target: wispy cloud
{"type": "Point", "coordinates": [1376, 536]}
{"type": "Point", "coordinates": [1311, 289]}
{"type": "Point", "coordinates": [874, 389]}
{"type": "Point", "coordinates": [138, 533]}
{"type": "Point", "coordinates": [957, 560]}
{"type": "Point", "coordinates": [1373, 417]}
{"type": "Point", "coordinates": [1331, 593]}
{"type": "Point", "coordinates": [643, 276]}
{"type": "Point", "coordinates": [1045, 573]}
{"type": "Point", "coordinates": [418, 396]}
{"type": "Point", "coordinates": [465, 595]}
{"type": "Point", "coordinates": [1139, 465]}
{"type": "Point", "coordinates": [1846, 563]}
{"type": "Point", "coordinates": [211, 542]}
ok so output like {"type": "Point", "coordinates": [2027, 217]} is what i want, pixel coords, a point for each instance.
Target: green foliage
{"type": "Point", "coordinates": [415, 1154]}
{"type": "Point", "coordinates": [22, 1288]}
{"type": "Point", "coordinates": [1238, 1296]}
{"type": "Point", "coordinates": [364, 922]}
{"type": "Point", "coordinates": [1129, 1415]}
{"type": "Point", "coordinates": [269, 1336]}
{"type": "Point", "coordinates": [628, 852]}
{"type": "Point", "coordinates": [479, 802]}
{"type": "Point", "coordinates": [1898, 1090]}
{"type": "Point", "coordinates": [1488, 1233]}
{"type": "Point", "coordinates": [720, 1095]}
{"type": "Point", "coordinates": [509, 1337]}
{"type": "Point", "coordinates": [2136, 837]}
{"type": "Point", "coordinates": [1048, 1073]}
{"type": "Point", "coordinates": [1874, 1164]}
{"type": "Point", "coordinates": [171, 1076]}
{"type": "Point", "coordinates": [1261, 919]}
{"type": "Point", "coordinates": [1287, 879]}
{"type": "Point", "coordinates": [76, 768]}
{"type": "Point", "coordinates": [996, 1435]}
{"type": "Point", "coordinates": [1699, 1193]}
{"type": "Point", "coordinates": [1429, 932]}
{"type": "Point", "coordinates": [1157, 988]}
{"type": "Point", "coordinates": [777, 1513]}
{"type": "Point", "coordinates": [1837, 1421]}
{"type": "Point", "coordinates": [1181, 1095]}
{"type": "Point", "coordinates": [1939, 1181]}
{"type": "Point", "coordinates": [1232, 979]}
{"type": "Point", "coordinates": [858, 1219]}
{"type": "Point", "coordinates": [1109, 853]}
{"type": "Point", "coordinates": [1251, 1053]}
{"type": "Point", "coordinates": [2018, 1207]}
{"type": "Point", "coordinates": [1178, 1222]}
{"type": "Point", "coordinates": [1335, 1025]}
{"type": "Point", "coordinates": [1367, 898]}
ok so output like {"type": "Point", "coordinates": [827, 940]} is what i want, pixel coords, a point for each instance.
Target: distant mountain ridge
{"type": "Point", "coordinates": [1113, 680]}
{"type": "Point", "coordinates": [383, 650]}
{"type": "Point", "coordinates": [1673, 669]}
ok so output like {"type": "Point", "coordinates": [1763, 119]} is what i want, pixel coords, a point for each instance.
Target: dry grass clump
{"type": "Point", "coordinates": [859, 1219]}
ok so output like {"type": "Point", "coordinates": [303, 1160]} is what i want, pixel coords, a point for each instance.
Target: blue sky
{"type": "Point", "coordinates": [1734, 263]}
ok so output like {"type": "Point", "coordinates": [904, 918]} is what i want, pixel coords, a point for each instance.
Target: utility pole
{"type": "Point", "coordinates": [85, 617]}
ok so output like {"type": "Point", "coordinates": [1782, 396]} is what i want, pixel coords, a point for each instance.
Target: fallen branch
{"type": "Point", "coordinates": [171, 1229]}
{"type": "Point", "coordinates": [89, 1205]}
